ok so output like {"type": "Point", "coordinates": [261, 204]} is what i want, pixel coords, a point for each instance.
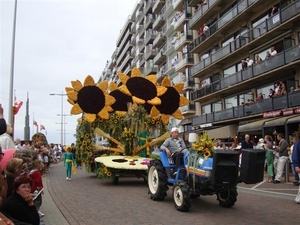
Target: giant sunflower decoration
{"type": "Point", "coordinates": [171, 100]}
{"type": "Point", "coordinates": [141, 89]}
{"type": "Point", "coordinates": [122, 99]}
{"type": "Point", "coordinates": [91, 99]}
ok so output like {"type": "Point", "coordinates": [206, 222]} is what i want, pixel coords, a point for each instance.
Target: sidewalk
{"type": "Point", "coordinates": [53, 215]}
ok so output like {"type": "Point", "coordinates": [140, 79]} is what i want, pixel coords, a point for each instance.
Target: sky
{"type": "Point", "coordinates": [57, 41]}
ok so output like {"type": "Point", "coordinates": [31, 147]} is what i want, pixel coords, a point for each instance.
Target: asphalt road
{"type": "Point", "coordinates": [87, 200]}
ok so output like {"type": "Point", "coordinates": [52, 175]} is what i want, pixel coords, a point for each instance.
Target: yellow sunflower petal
{"type": "Point", "coordinates": [72, 95]}
{"type": "Point", "coordinates": [103, 114]}
{"type": "Point", "coordinates": [121, 113]}
{"type": "Point", "coordinates": [161, 90]}
{"type": "Point", "coordinates": [77, 85]}
{"type": "Point", "coordinates": [108, 108]}
{"type": "Point", "coordinates": [154, 112]}
{"type": "Point", "coordinates": [154, 101]}
{"type": "Point", "coordinates": [136, 72]}
{"type": "Point", "coordinates": [177, 114]}
{"type": "Point", "coordinates": [123, 77]}
{"type": "Point", "coordinates": [76, 109]}
{"type": "Point", "coordinates": [69, 89]}
{"type": "Point", "coordinates": [89, 81]}
{"type": "Point", "coordinates": [166, 82]}
{"type": "Point", "coordinates": [165, 119]}
{"type": "Point", "coordinates": [124, 90]}
{"type": "Point", "coordinates": [90, 117]}
{"type": "Point", "coordinates": [179, 87]}
{"type": "Point", "coordinates": [183, 101]}
{"type": "Point", "coordinates": [113, 86]}
{"type": "Point", "coordinates": [109, 100]}
{"type": "Point", "coordinates": [71, 101]}
{"type": "Point", "coordinates": [138, 100]}
{"type": "Point", "coordinates": [152, 78]}
{"type": "Point", "coordinates": [103, 85]}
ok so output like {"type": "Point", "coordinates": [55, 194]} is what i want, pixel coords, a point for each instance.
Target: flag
{"type": "Point", "coordinates": [42, 127]}
{"type": "Point", "coordinates": [17, 105]}
{"type": "Point", "coordinates": [35, 123]}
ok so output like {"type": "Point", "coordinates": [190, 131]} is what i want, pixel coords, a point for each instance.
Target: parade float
{"type": "Point", "coordinates": [133, 117]}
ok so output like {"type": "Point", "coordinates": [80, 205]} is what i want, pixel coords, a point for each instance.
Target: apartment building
{"type": "Point", "coordinates": [203, 43]}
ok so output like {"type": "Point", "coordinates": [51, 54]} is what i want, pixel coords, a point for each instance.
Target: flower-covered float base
{"type": "Point", "coordinates": [113, 167]}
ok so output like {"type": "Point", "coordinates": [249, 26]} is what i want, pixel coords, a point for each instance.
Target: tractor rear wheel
{"type": "Point", "coordinates": [227, 198]}
{"type": "Point", "coordinates": [157, 180]}
{"type": "Point", "coordinates": [181, 196]}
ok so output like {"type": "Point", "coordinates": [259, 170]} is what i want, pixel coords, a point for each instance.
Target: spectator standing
{"type": "Point", "coordinates": [37, 184]}
{"type": "Point", "coordinates": [270, 162]}
{"type": "Point", "coordinates": [296, 161]}
{"type": "Point", "coordinates": [257, 59]}
{"type": "Point", "coordinates": [13, 170]}
{"type": "Point", "coordinates": [268, 55]}
{"type": "Point", "coordinates": [297, 181]}
{"type": "Point", "coordinates": [282, 150]}
{"type": "Point", "coordinates": [6, 141]}
{"type": "Point", "coordinates": [247, 144]}
{"type": "Point", "coordinates": [273, 51]}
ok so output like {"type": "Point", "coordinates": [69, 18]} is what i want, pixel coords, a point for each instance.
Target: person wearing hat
{"type": "Point", "coordinates": [260, 144]}
{"type": "Point", "coordinates": [13, 169]}
{"type": "Point", "coordinates": [174, 147]}
{"type": "Point", "coordinates": [68, 162]}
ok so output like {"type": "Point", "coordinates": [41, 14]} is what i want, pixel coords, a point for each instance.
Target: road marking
{"type": "Point", "coordinates": [274, 189]}
{"type": "Point", "coordinates": [258, 184]}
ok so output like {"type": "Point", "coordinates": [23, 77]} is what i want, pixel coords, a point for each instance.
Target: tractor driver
{"type": "Point", "coordinates": [174, 147]}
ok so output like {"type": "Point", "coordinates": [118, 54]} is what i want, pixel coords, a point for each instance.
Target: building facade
{"type": "Point", "coordinates": [218, 48]}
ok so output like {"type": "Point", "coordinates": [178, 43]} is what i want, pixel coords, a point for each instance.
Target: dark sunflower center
{"type": "Point", "coordinates": [169, 101]}
{"type": "Point", "coordinates": [141, 88]}
{"type": "Point", "coordinates": [91, 99]}
{"type": "Point", "coordinates": [121, 100]}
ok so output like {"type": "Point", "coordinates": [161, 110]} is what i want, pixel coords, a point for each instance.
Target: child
{"type": "Point", "coordinates": [270, 162]}
{"type": "Point", "coordinates": [68, 162]}
{"type": "Point", "coordinates": [37, 184]}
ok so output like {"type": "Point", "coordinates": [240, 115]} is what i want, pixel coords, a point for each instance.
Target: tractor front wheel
{"type": "Point", "coordinates": [181, 196]}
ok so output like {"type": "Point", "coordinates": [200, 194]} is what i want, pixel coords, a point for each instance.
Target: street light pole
{"type": "Point", "coordinates": [61, 117]}
{"type": "Point", "coordinates": [12, 65]}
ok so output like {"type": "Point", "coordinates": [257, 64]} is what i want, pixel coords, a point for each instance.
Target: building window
{"type": "Point", "coordinates": [229, 71]}
{"type": "Point", "coordinates": [245, 98]}
{"type": "Point", "coordinates": [231, 102]}
{"type": "Point", "coordinates": [206, 109]}
{"type": "Point", "coordinates": [217, 106]}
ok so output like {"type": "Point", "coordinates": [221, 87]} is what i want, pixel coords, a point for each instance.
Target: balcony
{"type": "Point", "coordinates": [189, 109]}
{"type": "Point", "coordinates": [170, 49]}
{"type": "Point", "coordinates": [167, 29]}
{"type": "Point", "coordinates": [290, 100]}
{"type": "Point", "coordinates": [142, 61]}
{"type": "Point", "coordinates": [141, 45]}
{"type": "Point", "coordinates": [149, 37]}
{"type": "Point", "coordinates": [282, 63]}
{"type": "Point", "coordinates": [150, 53]}
{"type": "Point", "coordinates": [188, 85]}
{"type": "Point", "coordinates": [178, 5]}
{"type": "Point", "coordinates": [170, 70]}
{"type": "Point", "coordinates": [159, 40]}
{"type": "Point", "coordinates": [148, 23]}
{"type": "Point", "coordinates": [167, 9]}
{"type": "Point", "coordinates": [160, 57]}
{"type": "Point", "coordinates": [148, 8]}
{"type": "Point", "coordinates": [141, 30]}
{"type": "Point", "coordinates": [159, 22]}
{"type": "Point", "coordinates": [184, 18]}
{"type": "Point", "coordinates": [183, 64]}
{"type": "Point", "coordinates": [150, 70]}
{"type": "Point", "coordinates": [184, 40]}
{"type": "Point", "coordinates": [209, 10]}
{"type": "Point", "coordinates": [158, 5]}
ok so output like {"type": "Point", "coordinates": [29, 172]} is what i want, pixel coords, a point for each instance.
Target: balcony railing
{"type": "Point", "coordinates": [279, 60]}
{"type": "Point", "coordinates": [158, 5]}
{"type": "Point", "coordinates": [201, 11]}
{"type": "Point", "coordinates": [270, 104]}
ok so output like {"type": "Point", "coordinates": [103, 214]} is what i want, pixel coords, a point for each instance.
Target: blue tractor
{"type": "Point", "coordinates": [217, 175]}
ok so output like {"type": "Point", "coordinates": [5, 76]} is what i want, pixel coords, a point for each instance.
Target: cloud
{"type": "Point", "coordinates": [57, 41]}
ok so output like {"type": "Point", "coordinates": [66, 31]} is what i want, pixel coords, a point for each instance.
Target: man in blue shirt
{"type": "Point", "coordinates": [296, 161]}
